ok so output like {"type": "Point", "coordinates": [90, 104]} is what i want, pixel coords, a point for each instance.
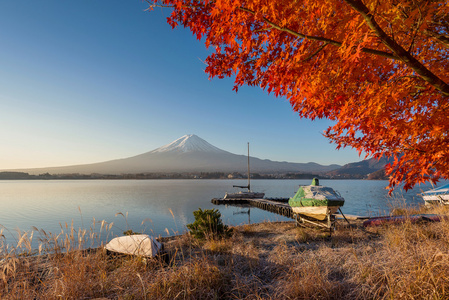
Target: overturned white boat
{"type": "Point", "coordinates": [138, 244]}
{"type": "Point", "coordinates": [438, 195]}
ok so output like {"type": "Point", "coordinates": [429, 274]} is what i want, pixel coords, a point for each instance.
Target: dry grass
{"type": "Point", "coordinates": [260, 261]}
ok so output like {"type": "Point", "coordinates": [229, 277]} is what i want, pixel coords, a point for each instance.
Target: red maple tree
{"type": "Point", "coordinates": [379, 69]}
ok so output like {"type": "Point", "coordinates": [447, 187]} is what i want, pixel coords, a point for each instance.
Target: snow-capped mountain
{"type": "Point", "coordinates": [189, 143]}
{"type": "Point", "coordinates": [189, 153]}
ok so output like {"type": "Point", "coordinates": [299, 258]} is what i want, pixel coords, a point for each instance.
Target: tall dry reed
{"type": "Point", "coordinates": [260, 261]}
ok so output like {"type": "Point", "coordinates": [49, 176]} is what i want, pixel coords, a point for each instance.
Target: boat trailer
{"type": "Point", "coordinates": [328, 223]}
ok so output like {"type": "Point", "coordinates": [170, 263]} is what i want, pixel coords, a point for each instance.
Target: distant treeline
{"type": "Point", "coordinates": [199, 175]}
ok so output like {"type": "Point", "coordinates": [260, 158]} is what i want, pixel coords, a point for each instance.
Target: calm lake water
{"type": "Point", "coordinates": [162, 207]}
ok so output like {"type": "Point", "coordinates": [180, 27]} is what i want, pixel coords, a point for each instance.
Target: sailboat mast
{"type": "Point", "coordinates": [249, 174]}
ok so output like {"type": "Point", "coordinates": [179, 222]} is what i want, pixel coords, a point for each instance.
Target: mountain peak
{"type": "Point", "coordinates": [189, 143]}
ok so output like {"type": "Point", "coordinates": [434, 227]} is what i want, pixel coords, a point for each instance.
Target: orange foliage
{"type": "Point", "coordinates": [378, 68]}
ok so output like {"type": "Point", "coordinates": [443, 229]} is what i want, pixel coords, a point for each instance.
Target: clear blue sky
{"type": "Point", "coordinates": [88, 81]}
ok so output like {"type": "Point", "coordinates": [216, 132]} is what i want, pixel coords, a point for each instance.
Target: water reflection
{"type": "Point", "coordinates": [158, 206]}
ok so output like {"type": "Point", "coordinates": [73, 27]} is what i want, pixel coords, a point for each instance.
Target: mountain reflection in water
{"type": "Point", "coordinates": [158, 206]}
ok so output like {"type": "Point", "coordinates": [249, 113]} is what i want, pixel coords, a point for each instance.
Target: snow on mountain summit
{"type": "Point", "coordinates": [189, 143]}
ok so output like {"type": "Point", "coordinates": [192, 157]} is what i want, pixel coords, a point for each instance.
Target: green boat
{"type": "Point", "coordinates": [316, 201]}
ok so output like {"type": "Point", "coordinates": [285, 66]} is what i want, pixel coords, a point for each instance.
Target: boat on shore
{"type": "Point", "coordinates": [316, 201]}
{"type": "Point", "coordinates": [438, 195]}
{"type": "Point", "coordinates": [245, 194]}
{"type": "Point", "coordinates": [138, 244]}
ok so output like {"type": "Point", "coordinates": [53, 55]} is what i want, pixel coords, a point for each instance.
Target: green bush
{"type": "Point", "coordinates": [130, 232]}
{"type": "Point", "coordinates": [208, 224]}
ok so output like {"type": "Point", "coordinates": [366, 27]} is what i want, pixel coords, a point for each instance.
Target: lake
{"type": "Point", "coordinates": [162, 207]}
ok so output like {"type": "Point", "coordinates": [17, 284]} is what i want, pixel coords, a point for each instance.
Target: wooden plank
{"type": "Point", "coordinates": [279, 207]}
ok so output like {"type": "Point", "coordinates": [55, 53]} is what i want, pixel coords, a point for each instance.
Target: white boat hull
{"type": "Point", "coordinates": [139, 244]}
{"type": "Point", "coordinates": [436, 199]}
{"type": "Point", "coordinates": [438, 195]}
{"type": "Point", "coordinates": [317, 212]}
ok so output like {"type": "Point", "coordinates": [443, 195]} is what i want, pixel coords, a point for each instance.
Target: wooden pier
{"type": "Point", "coordinates": [281, 207]}
{"type": "Point", "coordinates": [275, 205]}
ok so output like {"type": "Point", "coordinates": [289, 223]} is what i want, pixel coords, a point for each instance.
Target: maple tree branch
{"type": "Point", "coordinates": [438, 29]}
{"type": "Point", "coordinates": [316, 38]}
{"type": "Point", "coordinates": [415, 30]}
{"type": "Point", "coordinates": [400, 52]}
{"type": "Point", "coordinates": [316, 52]}
{"type": "Point", "coordinates": [152, 5]}
{"type": "Point", "coordinates": [298, 34]}
{"type": "Point", "coordinates": [441, 38]}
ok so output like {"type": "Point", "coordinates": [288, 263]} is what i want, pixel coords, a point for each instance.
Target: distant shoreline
{"type": "Point", "coordinates": [191, 175]}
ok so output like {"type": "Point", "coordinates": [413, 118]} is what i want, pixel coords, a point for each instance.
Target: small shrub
{"type": "Point", "coordinates": [208, 224]}
{"type": "Point", "coordinates": [130, 232]}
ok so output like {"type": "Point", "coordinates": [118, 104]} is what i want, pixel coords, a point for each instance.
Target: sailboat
{"type": "Point", "coordinates": [245, 194]}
